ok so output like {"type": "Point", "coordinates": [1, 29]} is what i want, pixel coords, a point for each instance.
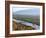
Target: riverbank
{"type": "Point", "coordinates": [19, 26]}
{"type": "Point", "coordinates": [22, 25]}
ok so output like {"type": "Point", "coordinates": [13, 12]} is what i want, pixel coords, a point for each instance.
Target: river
{"type": "Point", "coordinates": [37, 27]}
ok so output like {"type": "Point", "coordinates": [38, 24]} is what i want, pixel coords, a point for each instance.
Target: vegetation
{"type": "Point", "coordinates": [27, 19]}
{"type": "Point", "coordinates": [19, 26]}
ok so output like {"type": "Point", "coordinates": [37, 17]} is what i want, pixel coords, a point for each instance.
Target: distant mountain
{"type": "Point", "coordinates": [28, 12]}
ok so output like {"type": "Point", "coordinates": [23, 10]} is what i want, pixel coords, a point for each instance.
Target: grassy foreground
{"type": "Point", "coordinates": [19, 26]}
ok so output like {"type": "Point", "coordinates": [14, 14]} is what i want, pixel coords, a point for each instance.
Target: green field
{"type": "Point", "coordinates": [27, 19]}
{"type": "Point", "coordinates": [31, 20]}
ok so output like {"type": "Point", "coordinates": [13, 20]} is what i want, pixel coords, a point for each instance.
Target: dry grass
{"type": "Point", "coordinates": [19, 26]}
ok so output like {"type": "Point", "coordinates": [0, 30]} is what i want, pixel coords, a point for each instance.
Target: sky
{"type": "Point", "coordinates": [19, 9]}
{"type": "Point", "coordinates": [33, 11]}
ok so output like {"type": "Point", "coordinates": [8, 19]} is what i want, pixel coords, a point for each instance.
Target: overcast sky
{"type": "Point", "coordinates": [34, 11]}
